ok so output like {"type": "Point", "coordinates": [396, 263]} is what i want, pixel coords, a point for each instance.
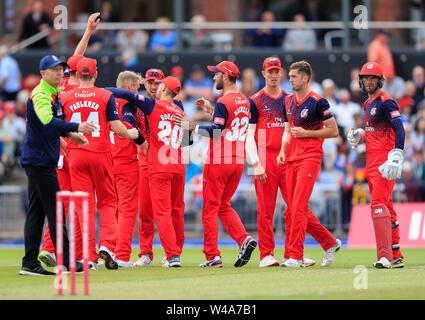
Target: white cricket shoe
{"type": "Point", "coordinates": [109, 257]}
{"type": "Point", "coordinates": [165, 263]}
{"type": "Point", "coordinates": [329, 255]}
{"type": "Point", "coordinates": [383, 263]}
{"type": "Point", "coordinates": [93, 265]}
{"type": "Point", "coordinates": [269, 261]}
{"type": "Point", "coordinates": [125, 264]}
{"type": "Point", "coordinates": [144, 261]}
{"type": "Point", "coordinates": [307, 262]}
{"type": "Point", "coordinates": [292, 263]}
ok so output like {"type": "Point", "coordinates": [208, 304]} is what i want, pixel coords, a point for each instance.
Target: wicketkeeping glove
{"type": "Point", "coordinates": [391, 169]}
{"type": "Point", "coordinates": [355, 137]}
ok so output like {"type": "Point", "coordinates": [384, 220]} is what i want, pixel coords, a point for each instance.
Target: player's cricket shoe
{"type": "Point", "coordinates": [37, 271]}
{"type": "Point", "coordinates": [382, 263]}
{"type": "Point", "coordinates": [269, 261]}
{"type": "Point", "coordinates": [144, 261]}
{"type": "Point", "coordinates": [306, 262]}
{"type": "Point", "coordinates": [245, 251]}
{"type": "Point", "coordinates": [398, 263]}
{"type": "Point", "coordinates": [48, 258]}
{"type": "Point", "coordinates": [213, 263]}
{"type": "Point", "coordinates": [109, 258]}
{"type": "Point", "coordinates": [329, 255]}
{"type": "Point", "coordinates": [125, 264]}
{"type": "Point", "coordinates": [93, 265]}
{"type": "Point", "coordinates": [292, 263]}
{"type": "Point", "coordinates": [174, 262]}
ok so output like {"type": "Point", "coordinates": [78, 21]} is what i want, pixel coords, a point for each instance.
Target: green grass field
{"type": "Point", "coordinates": [228, 283]}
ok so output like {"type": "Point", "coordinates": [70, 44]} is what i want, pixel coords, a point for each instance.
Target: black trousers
{"type": "Point", "coordinates": [42, 187]}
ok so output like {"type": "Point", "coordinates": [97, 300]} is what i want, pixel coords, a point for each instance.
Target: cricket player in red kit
{"type": "Point", "coordinates": [309, 122]}
{"type": "Point", "coordinates": [384, 136]}
{"type": "Point", "coordinates": [69, 82]}
{"type": "Point", "coordinates": [225, 166]}
{"type": "Point", "coordinates": [165, 164]}
{"type": "Point", "coordinates": [91, 165]}
{"type": "Point", "coordinates": [126, 170]}
{"type": "Point", "coordinates": [262, 148]}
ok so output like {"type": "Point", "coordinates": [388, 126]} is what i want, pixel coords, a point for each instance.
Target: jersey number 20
{"type": "Point", "coordinates": [170, 135]}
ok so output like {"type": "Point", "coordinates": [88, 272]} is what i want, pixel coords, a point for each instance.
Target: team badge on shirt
{"type": "Point", "coordinates": [372, 111]}
{"type": "Point", "coordinates": [304, 113]}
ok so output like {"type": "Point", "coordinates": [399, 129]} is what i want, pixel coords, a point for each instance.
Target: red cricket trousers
{"type": "Point", "coordinates": [381, 190]}
{"type": "Point", "coordinates": [266, 201]}
{"type": "Point", "coordinates": [167, 194]}
{"type": "Point", "coordinates": [127, 188]}
{"type": "Point", "coordinates": [92, 172]}
{"type": "Point", "coordinates": [219, 185]}
{"type": "Point", "coordinates": [65, 185]}
{"type": "Point", "coordinates": [146, 220]}
{"type": "Point", "coordinates": [300, 178]}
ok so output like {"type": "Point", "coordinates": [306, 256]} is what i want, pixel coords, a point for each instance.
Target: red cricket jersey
{"type": "Point", "coordinates": [122, 149]}
{"type": "Point", "coordinates": [268, 114]}
{"type": "Point", "coordinates": [233, 111]}
{"type": "Point", "coordinates": [308, 114]}
{"type": "Point", "coordinates": [165, 138]}
{"type": "Point", "coordinates": [379, 134]}
{"type": "Point", "coordinates": [94, 105]}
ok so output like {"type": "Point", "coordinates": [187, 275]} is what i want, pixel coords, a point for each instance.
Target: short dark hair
{"type": "Point", "coordinates": [302, 66]}
{"type": "Point", "coordinates": [86, 77]}
{"type": "Point", "coordinates": [232, 79]}
{"type": "Point", "coordinates": [73, 73]}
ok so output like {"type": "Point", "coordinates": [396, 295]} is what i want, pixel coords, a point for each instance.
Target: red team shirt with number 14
{"type": "Point", "coordinates": [94, 105]}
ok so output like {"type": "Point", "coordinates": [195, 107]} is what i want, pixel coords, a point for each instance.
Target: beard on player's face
{"type": "Point", "coordinates": [218, 81]}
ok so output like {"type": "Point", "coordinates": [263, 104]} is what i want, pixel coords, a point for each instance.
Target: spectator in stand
{"type": "Point", "coordinates": [265, 37]}
{"type": "Point", "coordinates": [315, 86]}
{"type": "Point", "coordinates": [10, 76]}
{"type": "Point", "coordinates": [418, 77]}
{"type": "Point", "coordinates": [345, 110]}
{"type": "Point", "coordinates": [284, 82]}
{"type": "Point", "coordinates": [107, 15]}
{"type": "Point", "coordinates": [197, 86]}
{"type": "Point", "coordinates": [134, 40]}
{"type": "Point", "coordinates": [409, 145]}
{"type": "Point", "coordinates": [394, 85]}
{"type": "Point", "coordinates": [406, 105]}
{"type": "Point", "coordinates": [178, 72]}
{"type": "Point", "coordinates": [418, 165]}
{"type": "Point", "coordinates": [130, 61]}
{"type": "Point", "coordinates": [380, 52]}
{"type": "Point", "coordinates": [356, 91]}
{"type": "Point", "coordinates": [6, 137]}
{"type": "Point", "coordinates": [34, 22]}
{"type": "Point", "coordinates": [163, 40]}
{"type": "Point", "coordinates": [197, 39]}
{"type": "Point", "coordinates": [300, 38]}
{"type": "Point", "coordinates": [21, 103]}
{"type": "Point", "coordinates": [329, 92]}
{"type": "Point", "coordinates": [418, 133]}
{"type": "Point", "coordinates": [250, 83]}
{"type": "Point", "coordinates": [411, 184]}
{"type": "Point", "coordinates": [17, 126]}
{"type": "Point", "coordinates": [347, 182]}
{"type": "Point", "coordinates": [30, 82]}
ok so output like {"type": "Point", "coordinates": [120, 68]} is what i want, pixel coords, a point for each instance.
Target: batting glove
{"type": "Point", "coordinates": [391, 169]}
